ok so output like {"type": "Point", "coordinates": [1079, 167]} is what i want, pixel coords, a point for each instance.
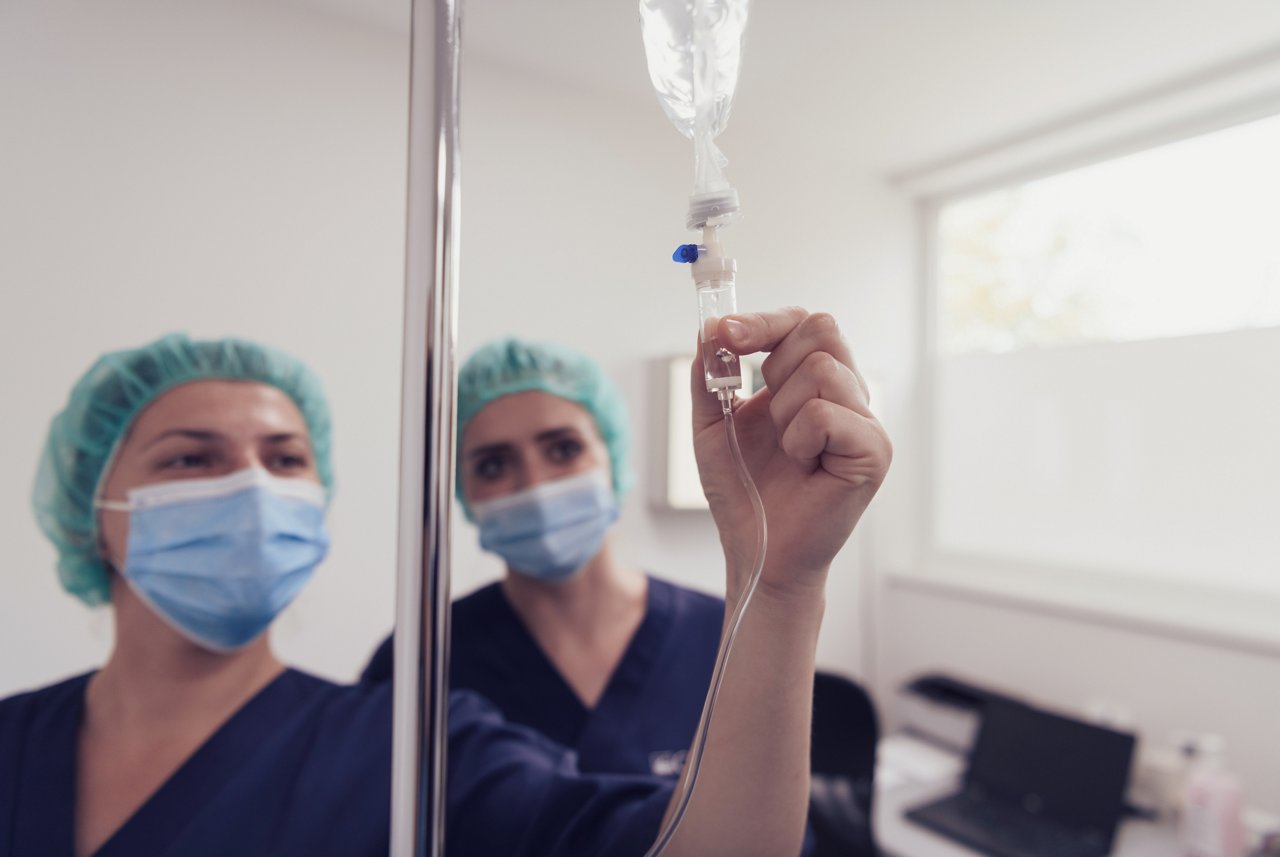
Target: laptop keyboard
{"type": "Point", "coordinates": [1003, 831]}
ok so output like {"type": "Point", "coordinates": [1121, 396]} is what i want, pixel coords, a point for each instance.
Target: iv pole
{"type": "Point", "coordinates": [426, 436]}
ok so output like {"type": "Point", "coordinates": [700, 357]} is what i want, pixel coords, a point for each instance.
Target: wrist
{"type": "Point", "coordinates": [796, 599]}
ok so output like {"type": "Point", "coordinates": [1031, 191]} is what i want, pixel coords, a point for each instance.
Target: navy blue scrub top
{"type": "Point", "coordinates": [646, 717]}
{"type": "Point", "coordinates": [303, 768]}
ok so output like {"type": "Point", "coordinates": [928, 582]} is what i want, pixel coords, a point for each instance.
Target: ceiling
{"type": "Point", "coordinates": [899, 81]}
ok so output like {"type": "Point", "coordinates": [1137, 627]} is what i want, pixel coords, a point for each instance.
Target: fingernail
{"type": "Point", "coordinates": [737, 330]}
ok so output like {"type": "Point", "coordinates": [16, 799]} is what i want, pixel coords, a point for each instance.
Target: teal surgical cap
{"type": "Point", "coordinates": [512, 366]}
{"type": "Point", "coordinates": [83, 438]}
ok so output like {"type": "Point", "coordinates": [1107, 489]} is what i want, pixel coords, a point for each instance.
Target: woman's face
{"type": "Point", "coordinates": [202, 430]}
{"type": "Point", "coordinates": [524, 439]}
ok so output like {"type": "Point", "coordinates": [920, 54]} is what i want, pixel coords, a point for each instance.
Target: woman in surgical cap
{"type": "Point", "coordinates": [186, 484]}
{"type": "Point", "coordinates": [574, 641]}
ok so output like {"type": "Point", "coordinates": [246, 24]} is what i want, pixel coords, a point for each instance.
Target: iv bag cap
{"type": "Point", "coordinates": [712, 208]}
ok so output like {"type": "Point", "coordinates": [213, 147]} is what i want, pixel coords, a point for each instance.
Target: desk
{"type": "Point", "coordinates": [902, 838]}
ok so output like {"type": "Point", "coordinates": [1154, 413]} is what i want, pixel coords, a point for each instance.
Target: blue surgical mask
{"type": "Point", "coordinates": [218, 559]}
{"type": "Point", "coordinates": [551, 530]}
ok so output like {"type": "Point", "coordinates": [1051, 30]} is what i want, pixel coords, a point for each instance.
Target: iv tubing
{"type": "Point", "coordinates": [722, 657]}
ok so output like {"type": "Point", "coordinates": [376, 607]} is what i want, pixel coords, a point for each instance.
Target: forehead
{"type": "Point", "coordinates": [520, 417]}
{"type": "Point", "coordinates": [226, 407]}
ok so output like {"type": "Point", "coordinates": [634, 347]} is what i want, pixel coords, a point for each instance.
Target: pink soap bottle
{"type": "Point", "coordinates": [1212, 811]}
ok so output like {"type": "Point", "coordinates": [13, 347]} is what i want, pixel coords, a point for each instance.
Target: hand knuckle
{"type": "Point", "coordinates": [817, 415]}
{"type": "Point", "coordinates": [825, 366]}
{"type": "Point", "coordinates": [823, 325]}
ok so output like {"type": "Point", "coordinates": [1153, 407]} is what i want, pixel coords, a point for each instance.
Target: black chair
{"type": "Point", "coordinates": [843, 765]}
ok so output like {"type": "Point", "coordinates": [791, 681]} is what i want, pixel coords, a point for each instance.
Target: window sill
{"type": "Point", "coordinates": [1237, 619]}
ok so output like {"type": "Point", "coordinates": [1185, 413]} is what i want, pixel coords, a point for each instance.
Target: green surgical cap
{"type": "Point", "coordinates": [103, 405]}
{"type": "Point", "coordinates": [510, 366]}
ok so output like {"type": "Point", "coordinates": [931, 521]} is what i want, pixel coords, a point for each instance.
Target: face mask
{"type": "Point", "coordinates": [549, 531]}
{"type": "Point", "coordinates": [218, 559]}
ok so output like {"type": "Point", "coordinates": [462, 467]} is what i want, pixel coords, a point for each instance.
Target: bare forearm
{"type": "Point", "coordinates": [753, 791]}
{"type": "Point", "coordinates": [817, 455]}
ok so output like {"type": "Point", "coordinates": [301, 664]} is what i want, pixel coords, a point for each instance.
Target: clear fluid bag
{"type": "Point", "coordinates": [694, 51]}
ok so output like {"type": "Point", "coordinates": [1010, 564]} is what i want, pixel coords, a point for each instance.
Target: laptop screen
{"type": "Point", "coordinates": [1053, 766]}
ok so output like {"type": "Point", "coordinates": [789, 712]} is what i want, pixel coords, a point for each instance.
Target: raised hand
{"type": "Point", "coordinates": [816, 452]}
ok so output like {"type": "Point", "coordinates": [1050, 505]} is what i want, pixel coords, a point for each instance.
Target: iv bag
{"type": "Point", "coordinates": [694, 50]}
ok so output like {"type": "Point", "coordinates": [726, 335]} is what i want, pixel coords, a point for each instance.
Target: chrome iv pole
{"type": "Point", "coordinates": [420, 700]}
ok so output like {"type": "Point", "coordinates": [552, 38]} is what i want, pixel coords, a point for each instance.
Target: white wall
{"type": "Point", "coordinates": [219, 168]}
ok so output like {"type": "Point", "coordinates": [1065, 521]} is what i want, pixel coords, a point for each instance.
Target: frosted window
{"type": "Point", "coordinates": [1107, 387]}
{"type": "Point", "coordinates": [1176, 240]}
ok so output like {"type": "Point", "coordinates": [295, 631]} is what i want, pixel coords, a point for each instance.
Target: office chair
{"type": "Point", "coordinates": [842, 760]}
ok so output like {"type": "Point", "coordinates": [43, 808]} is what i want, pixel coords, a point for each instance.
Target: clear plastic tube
{"type": "Point", "coordinates": [720, 366]}
{"type": "Point", "coordinates": [699, 746]}
{"type": "Point", "coordinates": [714, 278]}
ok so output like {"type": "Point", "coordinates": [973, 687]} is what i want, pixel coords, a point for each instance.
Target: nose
{"type": "Point", "coordinates": [535, 472]}
{"type": "Point", "coordinates": [244, 456]}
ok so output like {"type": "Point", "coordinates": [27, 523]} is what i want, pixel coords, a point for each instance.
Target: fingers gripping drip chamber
{"type": "Point", "coordinates": [714, 279]}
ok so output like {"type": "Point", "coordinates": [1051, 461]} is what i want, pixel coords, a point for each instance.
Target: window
{"type": "Point", "coordinates": [1107, 371]}
{"type": "Point", "coordinates": [1181, 239]}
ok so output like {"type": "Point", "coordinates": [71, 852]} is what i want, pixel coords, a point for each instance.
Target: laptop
{"type": "Point", "coordinates": [1037, 785]}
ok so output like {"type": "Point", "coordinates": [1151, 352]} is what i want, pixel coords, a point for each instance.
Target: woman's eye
{"type": "Point", "coordinates": [286, 461]}
{"type": "Point", "coordinates": [489, 467]}
{"type": "Point", "coordinates": [564, 450]}
{"type": "Point", "coordinates": [187, 461]}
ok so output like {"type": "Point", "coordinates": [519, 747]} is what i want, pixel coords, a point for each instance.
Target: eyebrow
{"type": "Point", "coordinates": [556, 433]}
{"type": "Point", "coordinates": [489, 449]}
{"type": "Point", "coordinates": [506, 446]}
{"type": "Point", "coordinates": [190, 434]}
{"type": "Point", "coordinates": [212, 436]}
{"type": "Point", "coordinates": [284, 436]}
